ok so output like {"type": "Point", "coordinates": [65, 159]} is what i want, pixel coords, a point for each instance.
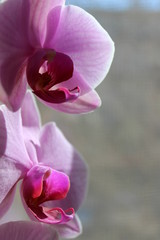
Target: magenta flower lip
{"type": "Point", "coordinates": [42, 184]}
{"type": "Point", "coordinates": [61, 51]}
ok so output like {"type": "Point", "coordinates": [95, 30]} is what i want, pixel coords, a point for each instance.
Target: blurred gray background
{"type": "Point", "coordinates": [121, 140]}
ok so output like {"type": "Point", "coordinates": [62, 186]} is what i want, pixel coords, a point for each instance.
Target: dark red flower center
{"type": "Point", "coordinates": [46, 71]}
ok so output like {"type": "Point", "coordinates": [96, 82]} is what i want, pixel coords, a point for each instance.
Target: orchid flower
{"type": "Point", "coordinates": [53, 175]}
{"type": "Point", "coordinates": [61, 51]}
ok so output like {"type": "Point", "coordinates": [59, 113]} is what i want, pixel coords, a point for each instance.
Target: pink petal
{"type": "Point", "coordinates": [13, 30]}
{"type": "Point", "coordinates": [14, 47]}
{"type": "Point", "coordinates": [37, 13]}
{"type": "Point", "coordinates": [31, 124]}
{"type": "Point", "coordinates": [30, 118]}
{"type": "Point", "coordinates": [59, 154]}
{"type": "Point", "coordinates": [29, 112]}
{"type": "Point", "coordinates": [14, 160]}
{"type": "Point", "coordinates": [11, 136]}
{"type": "Point", "coordinates": [7, 201]}
{"type": "Point", "coordinates": [82, 38]}
{"type": "Point", "coordinates": [24, 230]}
{"type": "Point", "coordinates": [83, 104]}
{"type": "Point", "coordinates": [9, 175]}
{"type": "Point", "coordinates": [71, 229]}
{"type": "Point", "coordinates": [18, 87]}
{"type": "Point", "coordinates": [13, 81]}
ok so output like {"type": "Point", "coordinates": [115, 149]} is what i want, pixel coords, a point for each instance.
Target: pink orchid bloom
{"type": "Point", "coordinates": [53, 175]}
{"type": "Point", "coordinates": [61, 51]}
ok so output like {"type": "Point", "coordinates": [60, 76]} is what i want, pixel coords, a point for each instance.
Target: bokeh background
{"type": "Point", "coordinates": [121, 140]}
